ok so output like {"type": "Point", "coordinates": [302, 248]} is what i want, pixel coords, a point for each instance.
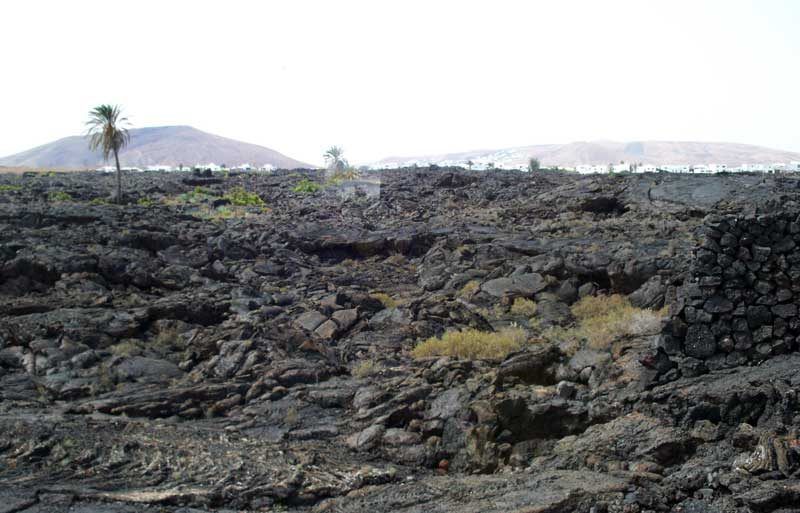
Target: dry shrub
{"type": "Point", "coordinates": [523, 307]}
{"type": "Point", "coordinates": [386, 300]}
{"type": "Point", "coordinates": [365, 368]}
{"type": "Point", "coordinates": [469, 288]}
{"type": "Point", "coordinates": [473, 344]}
{"type": "Point", "coordinates": [604, 319]}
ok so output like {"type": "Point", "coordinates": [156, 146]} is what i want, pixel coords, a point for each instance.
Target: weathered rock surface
{"type": "Point", "coordinates": [169, 355]}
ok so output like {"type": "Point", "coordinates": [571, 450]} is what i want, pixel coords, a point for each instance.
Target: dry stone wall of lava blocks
{"type": "Point", "coordinates": [740, 302]}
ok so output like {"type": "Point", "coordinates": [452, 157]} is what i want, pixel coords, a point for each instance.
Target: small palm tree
{"type": "Point", "coordinates": [334, 156]}
{"type": "Point", "coordinates": [534, 165]}
{"type": "Point", "coordinates": [108, 131]}
{"type": "Point", "coordinates": [470, 164]}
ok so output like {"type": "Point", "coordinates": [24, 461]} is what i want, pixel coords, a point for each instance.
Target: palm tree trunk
{"type": "Point", "coordinates": [119, 178]}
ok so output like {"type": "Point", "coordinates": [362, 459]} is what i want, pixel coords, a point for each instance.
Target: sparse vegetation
{"type": "Point", "coordinates": [473, 344]}
{"type": "Point", "coordinates": [98, 201]}
{"type": "Point", "coordinates": [523, 307]}
{"type": "Point", "coordinates": [9, 188]}
{"type": "Point", "coordinates": [59, 196]}
{"type": "Point", "coordinates": [386, 300]}
{"type": "Point", "coordinates": [239, 197]}
{"type": "Point", "coordinates": [193, 197]}
{"type": "Point", "coordinates": [365, 368]}
{"type": "Point", "coordinates": [604, 319]}
{"type": "Point", "coordinates": [145, 202]}
{"type": "Point", "coordinates": [306, 186]}
{"type": "Point", "coordinates": [126, 348]}
{"type": "Point", "coordinates": [469, 288]}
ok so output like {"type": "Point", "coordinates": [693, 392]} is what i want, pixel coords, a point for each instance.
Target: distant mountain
{"type": "Point", "coordinates": [168, 145]}
{"type": "Point", "coordinates": [605, 152]}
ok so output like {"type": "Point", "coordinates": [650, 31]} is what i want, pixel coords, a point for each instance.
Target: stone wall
{"type": "Point", "coordinates": [739, 303]}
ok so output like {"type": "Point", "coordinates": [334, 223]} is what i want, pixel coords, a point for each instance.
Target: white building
{"type": "Point", "coordinates": [717, 168]}
{"type": "Point", "coordinates": [700, 169]}
{"type": "Point", "coordinates": [210, 165]}
{"type": "Point", "coordinates": [679, 168]}
{"type": "Point", "coordinates": [793, 166]}
{"type": "Point", "coordinates": [646, 168]}
{"type": "Point", "coordinates": [621, 168]}
{"type": "Point", "coordinates": [159, 167]}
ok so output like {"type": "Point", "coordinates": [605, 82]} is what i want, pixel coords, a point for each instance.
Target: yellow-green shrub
{"type": "Point", "coordinates": [469, 288]}
{"type": "Point", "coordinates": [604, 319]}
{"type": "Point", "coordinates": [386, 300]}
{"type": "Point", "coordinates": [523, 307]}
{"type": "Point", "coordinates": [473, 344]}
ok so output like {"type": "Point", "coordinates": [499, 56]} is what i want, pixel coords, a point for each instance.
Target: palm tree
{"type": "Point", "coordinates": [470, 164]}
{"type": "Point", "coordinates": [334, 156]}
{"type": "Point", "coordinates": [108, 131]}
{"type": "Point", "coordinates": [534, 165]}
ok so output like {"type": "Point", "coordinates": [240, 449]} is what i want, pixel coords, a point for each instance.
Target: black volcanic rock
{"type": "Point", "coordinates": [181, 353]}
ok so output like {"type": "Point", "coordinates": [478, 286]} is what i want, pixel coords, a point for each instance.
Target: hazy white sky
{"type": "Point", "coordinates": [406, 77]}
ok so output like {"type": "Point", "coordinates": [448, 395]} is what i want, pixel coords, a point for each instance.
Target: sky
{"type": "Point", "coordinates": [403, 78]}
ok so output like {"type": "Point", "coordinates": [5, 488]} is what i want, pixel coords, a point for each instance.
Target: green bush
{"type": "Point", "coordinates": [9, 188]}
{"type": "Point", "coordinates": [242, 198]}
{"type": "Point", "coordinates": [59, 196]}
{"type": "Point", "coordinates": [306, 186]}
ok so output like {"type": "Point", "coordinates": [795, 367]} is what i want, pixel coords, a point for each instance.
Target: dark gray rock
{"type": "Point", "coordinates": [700, 342]}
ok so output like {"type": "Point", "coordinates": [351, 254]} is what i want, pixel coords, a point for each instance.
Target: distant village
{"type": "Point", "coordinates": [622, 167]}
{"type": "Point", "coordinates": [584, 169]}
{"type": "Point", "coordinates": [778, 167]}
{"type": "Point", "coordinates": [203, 167]}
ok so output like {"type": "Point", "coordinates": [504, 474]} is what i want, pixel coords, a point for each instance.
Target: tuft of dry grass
{"type": "Point", "coordinates": [469, 288]}
{"type": "Point", "coordinates": [365, 368]}
{"type": "Point", "coordinates": [604, 319]}
{"type": "Point", "coordinates": [386, 300]}
{"type": "Point", "coordinates": [473, 344]}
{"type": "Point", "coordinates": [126, 348]}
{"type": "Point", "coordinates": [523, 307]}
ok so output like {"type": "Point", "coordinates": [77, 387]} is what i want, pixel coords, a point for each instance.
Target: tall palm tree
{"type": "Point", "coordinates": [334, 156]}
{"type": "Point", "coordinates": [108, 131]}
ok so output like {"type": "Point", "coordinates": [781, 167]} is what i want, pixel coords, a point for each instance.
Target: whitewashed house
{"type": "Point", "coordinates": [584, 169]}
{"type": "Point", "coordinates": [700, 169]}
{"type": "Point", "coordinates": [793, 166]}
{"type": "Point", "coordinates": [680, 168]}
{"type": "Point", "coordinates": [717, 168]}
{"type": "Point", "coordinates": [621, 168]}
{"type": "Point", "coordinates": [159, 167]}
{"type": "Point", "coordinates": [211, 166]}
{"type": "Point", "coordinates": [646, 168]}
